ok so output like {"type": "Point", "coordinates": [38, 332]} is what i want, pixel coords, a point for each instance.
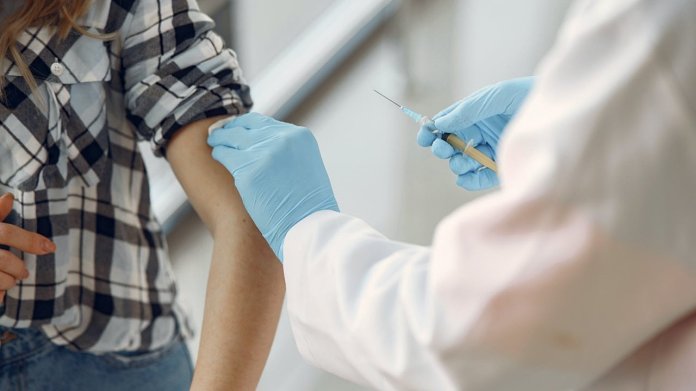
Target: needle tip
{"type": "Point", "coordinates": [385, 97]}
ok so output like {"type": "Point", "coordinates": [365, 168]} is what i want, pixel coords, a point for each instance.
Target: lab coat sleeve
{"type": "Point", "coordinates": [584, 255]}
{"type": "Point", "coordinates": [361, 321]}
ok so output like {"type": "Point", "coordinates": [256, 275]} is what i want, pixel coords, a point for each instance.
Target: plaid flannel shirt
{"type": "Point", "coordinates": [69, 153]}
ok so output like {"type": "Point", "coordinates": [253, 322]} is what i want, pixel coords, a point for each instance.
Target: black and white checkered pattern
{"type": "Point", "coordinates": [69, 154]}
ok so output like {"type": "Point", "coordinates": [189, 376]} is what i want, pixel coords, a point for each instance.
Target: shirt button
{"type": "Point", "coordinates": [57, 69]}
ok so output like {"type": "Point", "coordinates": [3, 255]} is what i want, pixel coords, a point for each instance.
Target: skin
{"type": "Point", "coordinates": [245, 286]}
{"type": "Point", "coordinates": [11, 267]}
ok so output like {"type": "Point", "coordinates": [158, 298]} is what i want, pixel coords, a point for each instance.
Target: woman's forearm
{"type": "Point", "coordinates": [245, 286]}
{"type": "Point", "coordinates": [243, 302]}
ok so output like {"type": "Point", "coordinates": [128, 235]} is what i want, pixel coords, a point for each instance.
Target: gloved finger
{"type": "Point", "coordinates": [469, 134]}
{"type": "Point", "coordinates": [442, 149]}
{"type": "Point", "coordinates": [460, 164]}
{"type": "Point", "coordinates": [491, 129]}
{"type": "Point", "coordinates": [502, 98]}
{"type": "Point", "coordinates": [252, 121]}
{"type": "Point", "coordinates": [447, 110]}
{"type": "Point", "coordinates": [425, 136]}
{"type": "Point", "coordinates": [238, 137]}
{"type": "Point", "coordinates": [229, 137]}
{"type": "Point", "coordinates": [479, 180]}
{"type": "Point", "coordinates": [233, 159]}
{"type": "Point", "coordinates": [487, 150]}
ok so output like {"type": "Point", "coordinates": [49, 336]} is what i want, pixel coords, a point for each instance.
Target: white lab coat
{"type": "Point", "coordinates": [580, 273]}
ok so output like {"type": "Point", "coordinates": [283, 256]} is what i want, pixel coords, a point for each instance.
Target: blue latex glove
{"type": "Point", "coordinates": [481, 117]}
{"type": "Point", "coordinates": [278, 171]}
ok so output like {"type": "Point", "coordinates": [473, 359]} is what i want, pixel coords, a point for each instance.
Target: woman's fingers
{"type": "Point", "coordinates": [7, 281]}
{"type": "Point", "coordinates": [10, 264]}
{"type": "Point", "coordinates": [11, 270]}
{"type": "Point", "coordinates": [11, 267]}
{"type": "Point", "coordinates": [26, 241]}
{"type": "Point", "coordinates": [19, 238]}
{"type": "Point", "coordinates": [6, 201]}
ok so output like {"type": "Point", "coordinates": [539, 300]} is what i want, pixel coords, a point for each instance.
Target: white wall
{"type": "Point", "coordinates": [501, 39]}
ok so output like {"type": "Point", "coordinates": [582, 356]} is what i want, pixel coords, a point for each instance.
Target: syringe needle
{"type": "Point", "coordinates": [383, 96]}
{"type": "Point", "coordinates": [453, 140]}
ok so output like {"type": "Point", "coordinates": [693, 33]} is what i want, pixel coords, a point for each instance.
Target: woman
{"type": "Point", "coordinates": [89, 298]}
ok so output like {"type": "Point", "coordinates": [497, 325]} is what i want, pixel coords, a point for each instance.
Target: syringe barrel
{"type": "Point", "coordinates": [469, 150]}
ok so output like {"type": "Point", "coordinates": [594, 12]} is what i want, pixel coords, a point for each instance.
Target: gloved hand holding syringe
{"type": "Point", "coordinates": [461, 145]}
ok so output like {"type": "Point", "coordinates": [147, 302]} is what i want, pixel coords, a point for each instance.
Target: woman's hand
{"type": "Point", "coordinates": [11, 267]}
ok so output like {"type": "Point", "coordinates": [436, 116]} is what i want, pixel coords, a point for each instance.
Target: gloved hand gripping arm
{"type": "Point", "coordinates": [278, 172]}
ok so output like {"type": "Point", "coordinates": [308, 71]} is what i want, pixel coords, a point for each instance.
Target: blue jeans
{"type": "Point", "coordinates": [29, 361]}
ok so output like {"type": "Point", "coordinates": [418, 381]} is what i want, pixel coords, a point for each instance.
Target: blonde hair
{"type": "Point", "coordinates": [60, 14]}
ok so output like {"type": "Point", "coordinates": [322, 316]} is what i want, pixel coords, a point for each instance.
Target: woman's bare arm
{"type": "Point", "coordinates": [245, 285]}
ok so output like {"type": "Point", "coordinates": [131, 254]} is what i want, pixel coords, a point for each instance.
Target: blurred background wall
{"type": "Point", "coordinates": [429, 54]}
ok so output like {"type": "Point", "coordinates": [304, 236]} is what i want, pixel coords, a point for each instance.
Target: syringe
{"type": "Point", "coordinates": [450, 138]}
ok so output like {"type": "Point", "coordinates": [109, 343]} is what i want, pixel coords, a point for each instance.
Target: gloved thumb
{"type": "Point", "coordinates": [425, 135]}
{"type": "Point", "coordinates": [471, 110]}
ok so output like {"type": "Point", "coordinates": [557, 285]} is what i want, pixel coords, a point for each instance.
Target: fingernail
{"type": "Point", "coordinates": [48, 246]}
{"type": "Point", "coordinates": [25, 275]}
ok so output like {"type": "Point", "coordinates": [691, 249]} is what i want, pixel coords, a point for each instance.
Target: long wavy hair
{"type": "Point", "coordinates": [60, 14]}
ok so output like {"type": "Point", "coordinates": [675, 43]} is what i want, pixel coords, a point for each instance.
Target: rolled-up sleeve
{"type": "Point", "coordinates": [176, 70]}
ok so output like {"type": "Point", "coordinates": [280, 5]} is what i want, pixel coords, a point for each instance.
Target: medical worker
{"type": "Point", "coordinates": [578, 273]}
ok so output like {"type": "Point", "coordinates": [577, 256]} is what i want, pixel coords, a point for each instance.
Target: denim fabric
{"type": "Point", "coordinates": [30, 362]}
